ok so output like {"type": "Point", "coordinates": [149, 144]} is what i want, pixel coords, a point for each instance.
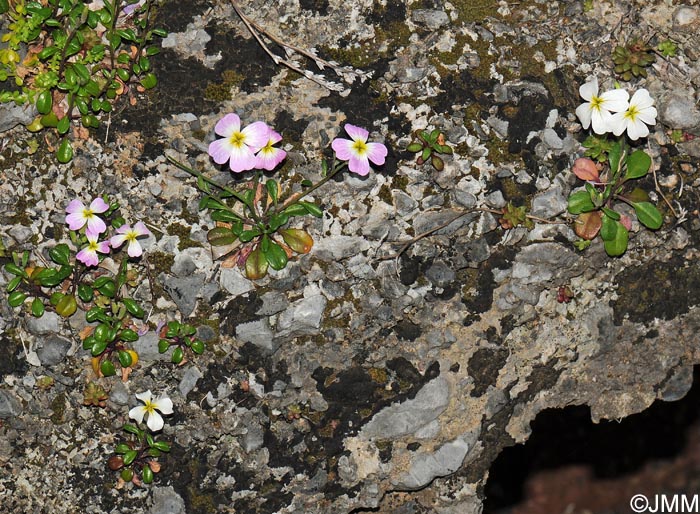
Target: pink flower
{"type": "Point", "coordinates": [358, 151]}
{"type": "Point", "coordinates": [238, 146]}
{"type": "Point", "coordinates": [269, 157]}
{"type": "Point", "coordinates": [126, 233]}
{"type": "Point", "coordinates": [79, 215]}
{"type": "Point", "coordinates": [88, 255]}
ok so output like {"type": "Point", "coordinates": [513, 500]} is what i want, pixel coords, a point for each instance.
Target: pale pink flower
{"type": "Point", "coordinates": [79, 215]}
{"type": "Point", "coordinates": [151, 408]}
{"type": "Point", "coordinates": [126, 233]}
{"type": "Point", "coordinates": [238, 146]}
{"type": "Point", "coordinates": [357, 151]}
{"type": "Point", "coordinates": [269, 156]}
{"type": "Point", "coordinates": [88, 255]}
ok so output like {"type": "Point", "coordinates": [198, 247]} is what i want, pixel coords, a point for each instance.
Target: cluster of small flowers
{"type": "Point", "coordinates": [252, 147]}
{"type": "Point", "coordinates": [78, 216]}
{"type": "Point", "coordinates": [614, 111]}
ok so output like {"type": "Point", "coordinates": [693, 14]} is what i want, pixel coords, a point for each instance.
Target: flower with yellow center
{"type": "Point", "coordinates": [88, 255]}
{"type": "Point", "coordinates": [127, 234]}
{"type": "Point", "coordinates": [150, 409]}
{"type": "Point", "coordinates": [640, 113]}
{"type": "Point", "coordinates": [238, 146]}
{"type": "Point", "coordinates": [357, 151]}
{"type": "Point", "coordinates": [597, 111]}
{"type": "Point", "coordinates": [79, 215]}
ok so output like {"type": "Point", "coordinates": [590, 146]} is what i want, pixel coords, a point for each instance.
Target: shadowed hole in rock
{"type": "Point", "coordinates": [570, 464]}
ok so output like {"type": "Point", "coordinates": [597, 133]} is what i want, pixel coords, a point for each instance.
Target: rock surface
{"type": "Point", "coordinates": [418, 338]}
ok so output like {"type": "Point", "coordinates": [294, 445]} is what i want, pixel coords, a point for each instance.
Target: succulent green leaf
{"type": "Point", "coordinates": [221, 236]}
{"type": "Point", "coordinates": [611, 213]}
{"type": "Point", "coordinates": [580, 202]}
{"type": "Point", "coordinates": [13, 284]}
{"type": "Point", "coordinates": [298, 240]}
{"type": "Point", "coordinates": [16, 298]}
{"type": "Point", "coordinates": [276, 256]}
{"type": "Point", "coordinates": [133, 307]}
{"type": "Point", "coordinates": [272, 190]}
{"type": "Point", "coordinates": [312, 209]}
{"type": "Point", "coordinates": [614, 155]}
{"type": "Point", "coordinates": [107, 367]}
{"type": "Point", "coordinates": [295, 210]}
{"type": "Point", "coordinates": [125, 359]}
{"type": "Point", "coordinates": [618, 245]}
{"type": "Point", "coordinates": [67, 306]}
{"type": "Point", "coordinates": [648, 215]}
{"type": "Point", "coordinates": [37, 308]}
{"type": "Point", "coordinates": [44, 102]}
{"type": "Point", "coordinates": [60, 254]}
{"type": "Point", "coordinates": [146, 474]}
{"type": "Point", "coordinates": [256, 265]}
{"type": "Point", "coordinates": [163, 345]}
{"type": "Point", "coordinates": [197, 346]}
{"type": "Point", "coordinates": [149, 81]}
{"type": "Point", "coordinates": [64, 154]}
{"type": "Point", "coordinates": [414, 147]}
{"type": "Point", "coordinates": [130, 456]}
{"type": "Point", "coordinates": [178, 355]}
{"type": "Point", "coordinates": [638, 164]}
{"type": "Point", "coordinates": [128, 335]}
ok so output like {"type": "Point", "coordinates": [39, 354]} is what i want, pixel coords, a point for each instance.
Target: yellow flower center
{"type": "Point", "coordinates": [360, 147]}
{"type": "Point", "coordinates": [596, 103]}
{"type": "Point", "coordinates": [237, 139]}
{"type": "Point", "coordinates": [87, 213]}
{"type": "Point", "coordinates": [632, 112]}
{"type": "Point", "coordinates": [149, 407]}
{"type": "Point", "coordinates": [130, 236]}
{"type": "Point", "coordinates": [92, 246]}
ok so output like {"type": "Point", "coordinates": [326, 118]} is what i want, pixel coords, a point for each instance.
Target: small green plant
{"type": "Point", "coordinates": [607, 182]}
{"type": "Point", "coordinates": [513, 216]}
{"type": "Point", "coordinates": [95, 395]}
{"type": "Point", "coordinates": [73, 282]}
{"type": "Point", "coordinates": [428, 144]}
{"type": "Point", "coordinates": [252, 222]}
{"type": "Point", "coordinates": [73, 60]}
{"type": "Point", "coordinates": [136, 459]}
{"type": "Point", "coordinates": [632, 59]}
{"type": "Point", "coordinates": [667, 48]}
{"type": "Point", "coordinates": [598, 147]}
{"type": "Point", "coordinates": [181, 337]}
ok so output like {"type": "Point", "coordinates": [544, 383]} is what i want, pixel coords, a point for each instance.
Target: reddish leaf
{"type": "Point", "coordinates": [585, 169]}
{"type": "Point", "coordinates": [588, 225]}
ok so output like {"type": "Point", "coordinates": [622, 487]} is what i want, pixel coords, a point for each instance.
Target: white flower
{"type": "Point", "coordinates": [150, 407]}
{"type": "Point", "coordinates": [596, 112]}
{"type": "Point", "coordinates": [640, 113]}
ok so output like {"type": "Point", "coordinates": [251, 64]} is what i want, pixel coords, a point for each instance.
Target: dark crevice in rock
{"type": "Point", "coordinates": [567, 438]}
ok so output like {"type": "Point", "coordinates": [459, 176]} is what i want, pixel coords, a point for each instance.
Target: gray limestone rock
{"type": "Point", "coordinates": [49, 323]}
{"type": "Point", "coordinates": [259, 333]}
{"type": "Point", "coordinates": [12, 115]}
{"type": "Point", "coordinates": [189, 380]}
{"type": "Point", "coordinates": [10, 406]}
{"type": "Point", "coordinates": [167, 501]}
{"type": "Point", "coordinates": [54, 350]}
{"type": "Point", "coordinates": [233, 281]}
{"type": "Point", "coordinates": [430, 18]}
{"type": "Point", "coordinates": [303, 317]}
{"type": "Point", "coordinates": [549, 203]}
{"type": "Point", "coordinates": [680, 111]}
{"type": "Point", "coordinates": [412, 415]}
{"type": "Point", "coordinates": [184, 291]}
{"type": "Point", "coordinates": [427, 466]}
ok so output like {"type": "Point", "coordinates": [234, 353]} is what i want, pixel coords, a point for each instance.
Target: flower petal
{"type": "Point", "coordinates": [242, 159]}
{"type": "Point", "coordinates": [359, 165]}
{"type": "Point", "coordinates": [376, 152]}
{"type": "Point", "coordinates": [268, 159]}
{"type": "Point", "coordinates": [134, 248]}
{"type": "Point", "coordinates": [583, 112]}
{"type": "Point", "coordinates": [228, 125]}
{"type": "Point", "coordinates": [75, 206]}
{"type": "Point", "coordinates": [220, 150]}
{"type": "Point", "coordinates": [256, 135]}
{"type": "Point", "coordinates": [87, 257]}
{"type": "Point", "coordinates": [96, 225]}
{"type": "Point", "coordinates": [137, 413]}
{"type": "Point", "coordinates": [164, 404]}
{"type": "Point", "coordinates": [615, 100]}
{"type": "Point", "coordinates": [356, 133]}
{"type": "Point", "coordinates": [98, 205]}
{"type": "Point", "coordinates": [117, 241]}
{"type": "Point", "coordinates": [589, 89]}
{"type": "Point", "coordinates": [75, 220]}
{"type": "Point", "coordinates": [342, 148]}
{"type": "Point", "coordinates": [141, 230]}
{"type": "Point", "coordinates": [145, 396]}
{"type": "Point", "coordinates": [154, 421]}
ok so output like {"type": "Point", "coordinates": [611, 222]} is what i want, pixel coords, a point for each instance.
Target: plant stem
{"type": "Point", "coordinates": [298, 196]}
{"type": "Point", "coordinates": [226, 189]}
